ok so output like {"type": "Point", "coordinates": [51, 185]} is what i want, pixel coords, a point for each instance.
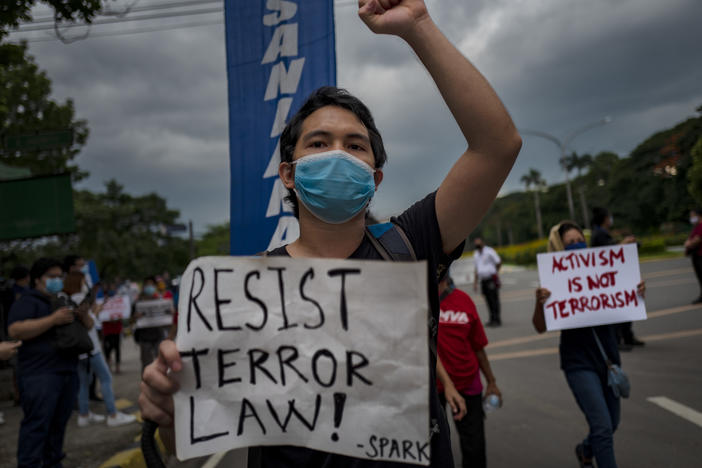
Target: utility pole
{"type": "Point", "coordinates": [563, 148]}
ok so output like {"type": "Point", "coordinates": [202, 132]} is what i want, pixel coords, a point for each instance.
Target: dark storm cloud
{"type": "Point", "coordinates": [157, 110]}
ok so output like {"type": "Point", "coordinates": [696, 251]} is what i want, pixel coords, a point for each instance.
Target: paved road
{"type": "Point", "coordinates": [540, 423]}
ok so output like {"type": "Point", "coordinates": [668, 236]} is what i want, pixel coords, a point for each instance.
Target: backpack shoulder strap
{"type": "Point", "coordinates": [391, 242]}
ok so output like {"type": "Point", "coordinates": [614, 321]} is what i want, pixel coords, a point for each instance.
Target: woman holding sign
{"type": "Point", "coordinates": [331, 162]}
{"type": "Point", "coordinates": [583, 364]}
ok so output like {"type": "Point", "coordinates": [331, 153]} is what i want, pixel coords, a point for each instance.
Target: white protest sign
{"type": "Point", "coordinates": [154, 313]}
{"type": "Point", "coordinates": [319, 353]}
{"type": "Point", "coordinates": [591, 286]}
{"type": "Point", "coordinates": [115, 308]}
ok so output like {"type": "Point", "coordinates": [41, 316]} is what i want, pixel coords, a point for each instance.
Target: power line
{"type": "Point", "coordinates": [125, 19]}
{"type": "Point", "coordinates": [140, 30]}
{"type": "Point", "coordinates": [159, 6]}
{"type": "Point", "coordinates": [163, 15]}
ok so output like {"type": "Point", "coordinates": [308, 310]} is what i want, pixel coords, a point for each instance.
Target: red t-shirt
{"type": "Point", "coordinates": [461, 334]}
{"type": "Point", "coordinates": [697, 231]}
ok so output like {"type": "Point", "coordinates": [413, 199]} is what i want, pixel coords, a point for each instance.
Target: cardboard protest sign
{"type": "Point", "coordinates": [591, 286]}
{"type": "Point", "coordinates": [115, 308]}
{"type": "Point", "coordinates": [156, 313]}
{"type": "Point", "coordinates": [326, 354]}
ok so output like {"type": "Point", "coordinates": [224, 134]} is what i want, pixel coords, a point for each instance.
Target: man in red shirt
{"type": "Point", "coordinates": [693, 247]}
{"type": "Point", "coordinates": [461, 348]}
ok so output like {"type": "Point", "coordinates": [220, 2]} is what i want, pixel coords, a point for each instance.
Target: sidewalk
{"type": "Point", "coordinates": [87, 447]}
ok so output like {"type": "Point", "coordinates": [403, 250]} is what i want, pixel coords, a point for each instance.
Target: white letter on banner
{"type": "Point", "coordinates": [283, 43]}
{"type": "Point", "coordinates": [285, 80]}
{"type": "Point", "coordinates": [281, 116]}
{"type": "Point", "coordinates": [273, 163]}
{"type": "Point", "coordinates": [287, 10]}
{"type": "Point", "coordinates": [287, 231]}
{"type": "Point", "coordinates": [277, 199]}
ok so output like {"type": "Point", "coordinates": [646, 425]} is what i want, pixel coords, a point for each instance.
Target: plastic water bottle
{"type": "Point", "coordinates": [491, 403]}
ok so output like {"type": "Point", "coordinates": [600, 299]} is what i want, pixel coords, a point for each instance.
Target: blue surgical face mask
{"type": "Point", "coordinates": [149, 290]}
{"type": "Point", "coordinates": [577, 245]}
{"type": "Point", "coordinates": [334, 186]}
{"type": "Point", "coordinates": [85, 270]}
{"type": "Point", "coordinates": [54, 285]}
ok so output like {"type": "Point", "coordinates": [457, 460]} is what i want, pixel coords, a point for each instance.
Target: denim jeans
{"type": "Point", "coordinates": [601, 409]}
{"type": "Point", "coordinates": [47, 403]}
{"type": "Point", "coordinates": [95, 364]}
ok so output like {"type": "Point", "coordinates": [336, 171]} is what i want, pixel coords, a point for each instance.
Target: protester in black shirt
{"type": "Point", "coordinates": [583, 364]}
{"type": "Point", "coordinates": [333, 125]}
{"type": "Point", "coordinates": [48, 380]}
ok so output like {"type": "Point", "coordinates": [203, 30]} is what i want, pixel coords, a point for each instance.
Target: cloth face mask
{"type": "Point", "coordinates": [334, 186]}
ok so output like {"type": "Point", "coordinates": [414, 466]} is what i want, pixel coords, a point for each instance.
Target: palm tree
{"type": "Point", "coordinates": [579, 163]}
{"type": "Point", "coordinates": [533, 178]}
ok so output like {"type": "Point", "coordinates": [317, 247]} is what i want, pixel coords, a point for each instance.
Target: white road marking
{"type": "Point", "coordinates": [681, 410]}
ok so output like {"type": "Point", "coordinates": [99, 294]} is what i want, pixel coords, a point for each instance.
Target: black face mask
{"type": "Point", "coordinates": [479, 246]}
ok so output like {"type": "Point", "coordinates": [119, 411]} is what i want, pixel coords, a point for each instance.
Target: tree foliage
{"type": "Point", "coordinates": [14, 12]}
{"type": "Point", "coordinates": [126, 235]}
{"type": "Point", "coordinates": [26, 108]}
{"type": "Point", "coordinates": [215, 241]}
{"type": "Point", "coordinates": [694, 175]}
{"type": "Point", "coordinates": [647, 191]}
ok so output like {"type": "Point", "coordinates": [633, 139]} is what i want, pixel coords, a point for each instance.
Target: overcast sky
{"type": "Point", "coordinates": [156, 103]}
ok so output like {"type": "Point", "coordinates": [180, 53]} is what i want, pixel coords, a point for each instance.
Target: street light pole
{"type": "Point", "coordinates": [563, 148]}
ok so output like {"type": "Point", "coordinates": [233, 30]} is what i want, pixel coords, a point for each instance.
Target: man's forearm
{"type": "Point", "coordinates": [443, 376]}
{"type": "Point", "coordinates": [485, 366]}
{"type": "Point", "coordinates": [30, 328]}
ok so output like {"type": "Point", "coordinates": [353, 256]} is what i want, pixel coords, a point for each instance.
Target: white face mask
{"type": "Point", "coordinates": [694, 219]}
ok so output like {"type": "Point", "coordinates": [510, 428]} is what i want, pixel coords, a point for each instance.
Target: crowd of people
{"type": "Point", "coordinates": [60, 345]}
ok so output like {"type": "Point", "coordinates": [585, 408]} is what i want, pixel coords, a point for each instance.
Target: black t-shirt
{"type": "Point", "coordinates": [601, 237]}
{"type": "Point", "coordinates": [579, 351]}
{"type": "Point", "coordinates": [578, 347]}
{"type": "Point", "coordinates": [420, 224]}
{"type": "Point", "coordinates": [38, 355]}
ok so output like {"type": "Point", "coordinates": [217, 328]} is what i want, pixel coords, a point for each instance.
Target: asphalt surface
{"type": "Point", "coordinates": [540, 423]}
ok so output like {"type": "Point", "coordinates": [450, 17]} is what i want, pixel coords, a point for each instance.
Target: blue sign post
{"type": "Point", "coordinates": [278, 52]}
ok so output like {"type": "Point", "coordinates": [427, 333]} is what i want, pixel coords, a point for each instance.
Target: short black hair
{"type": "Point", "coordinates": [40, 267]}
{"type": "Point", "coordinates": [149, 278]}
{"type": "Point", "coordinates": [69, 261]}
{"type": "Point", "coordinates": [322, 97]}
{"type": "Point", "coordinates": [19, 272]}
{"type": "Point", "coordinates": [599, 215]}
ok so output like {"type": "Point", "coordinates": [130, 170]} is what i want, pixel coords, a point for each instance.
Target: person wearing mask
{"type": "Point", "coordinates": [461, 347]}
{"type": "Point", "coordinates": [148, 338]}
{"type": "Point", "coordinates": [602, 221]}
{"type": "Point", "coordinates": [583, 364]}
{"type": "Point", "coordinates": [48, 380]}
{"type": "Point", "coordinates": [112, 334]}
{"type": "Point", "coordinates": [91, 364]}
{"type": "Point", "coordinates": [487, 265]}
{"type": "Point", "coordinates": [332, 156]}
{"type": "Point", "coordinates": [693, 247]}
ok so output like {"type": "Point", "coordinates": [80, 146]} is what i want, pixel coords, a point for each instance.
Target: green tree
{"type": "Point", "coordinates": [26, 108]}
{"type": "Point", "coordinates": [215, 241]}
{"type": "Point", "coordinates": [126, 235]}
{"type": "Point", "coordinates": [533, 179]}
{"type": "Point", "coordinates": [14, 12]}
{"type": "Point", "coordinates": [694, 175]}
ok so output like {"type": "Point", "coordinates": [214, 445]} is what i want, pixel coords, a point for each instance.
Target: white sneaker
{"type": "Point", "coordinates": [90, 418]}
{"type": "Point", "coordinates": [120, 419]}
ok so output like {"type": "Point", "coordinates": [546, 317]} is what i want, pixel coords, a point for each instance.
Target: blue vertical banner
{"type": "Point", "coordinates": [278, 52]}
